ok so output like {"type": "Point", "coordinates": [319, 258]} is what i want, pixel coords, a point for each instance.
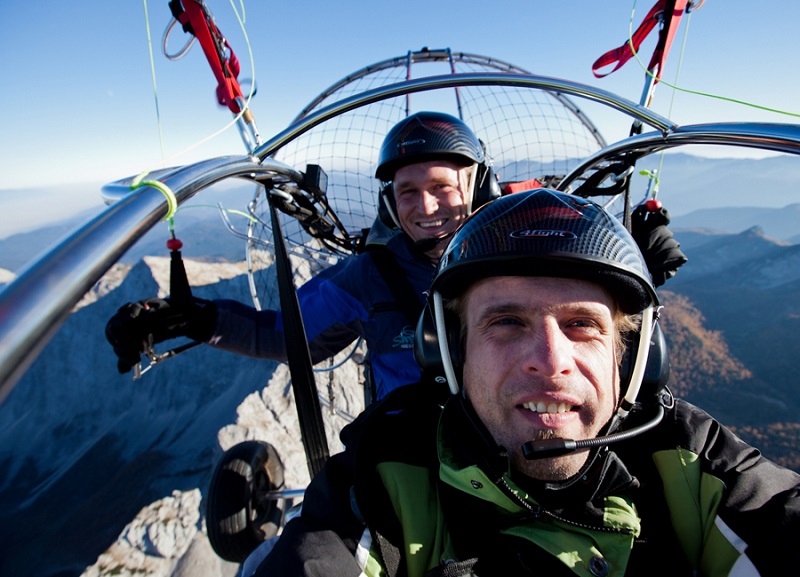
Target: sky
{"type": "Point", "coordinates": [78, 103]}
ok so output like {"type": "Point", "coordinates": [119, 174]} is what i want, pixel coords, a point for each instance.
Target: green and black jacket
{"type": "Point", "coordinates": [419, 491]}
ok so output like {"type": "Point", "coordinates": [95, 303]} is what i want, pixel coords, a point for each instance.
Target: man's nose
{"type": "Point", "coordinates": [428, 202]}
{"type": "Point", "coordinates": [548, 350]}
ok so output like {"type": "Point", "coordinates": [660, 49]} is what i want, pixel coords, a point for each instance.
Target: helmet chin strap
{"type": "Point", "coordinates": [389, 204]}
{"type": "Point", "coordinates": [472, 186]}
{"type": "Point", "coordinates": [639, 366]}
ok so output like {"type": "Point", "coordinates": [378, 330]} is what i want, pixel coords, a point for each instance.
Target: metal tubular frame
{"type": "Point", "coordinates": [766, 136]}
{"type": "Point", "coordinates": [35, 305]}
{"type": "Point", "coordinates": [546, 83]}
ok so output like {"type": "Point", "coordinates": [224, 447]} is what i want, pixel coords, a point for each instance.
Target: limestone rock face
{"type": "Point", "coordinates": [126, 464]}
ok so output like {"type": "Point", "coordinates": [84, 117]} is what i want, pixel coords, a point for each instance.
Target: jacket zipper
{"type": "Point", "coordinates": [539, 512]}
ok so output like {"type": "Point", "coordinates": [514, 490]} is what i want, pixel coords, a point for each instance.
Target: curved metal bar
{"type": "Point", "coordinates": [411, 57]}
{"type": "Point", "coordinates": [765, 136]}
{"type": "Point", "coordinates": [610, 99]}
{"type": "Point", "coordinates": [35, 305]}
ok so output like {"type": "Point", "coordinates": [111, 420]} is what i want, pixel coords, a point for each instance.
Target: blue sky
{"type": "Point", "coordinates": [78, 106]}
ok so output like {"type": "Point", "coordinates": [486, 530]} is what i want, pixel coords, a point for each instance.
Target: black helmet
{"type": "Point", "coordinates": [544, 232]}
{"type": "Point", "coordinates": [428, 136]}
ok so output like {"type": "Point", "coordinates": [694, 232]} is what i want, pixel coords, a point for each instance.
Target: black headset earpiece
{"type": "Point", "coordinates": [487, 187]}
{"type": "Point", "coordinates": [426, 344]}
{"type": "Point", "coordinates": [384, 208]}
{"type": "Point", "coordinates": [656, 372]}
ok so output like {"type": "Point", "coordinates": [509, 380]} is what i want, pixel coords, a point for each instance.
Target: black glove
{"type": "Point", "coordinates": [662, 253]}
{"type": "Point", "coordinates": [130, 328]}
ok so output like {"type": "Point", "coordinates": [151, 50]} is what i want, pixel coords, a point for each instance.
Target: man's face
{"type": "Point", "coordinates": [431, 200]}
{"type": "Point", "coordinates": [540, 363]}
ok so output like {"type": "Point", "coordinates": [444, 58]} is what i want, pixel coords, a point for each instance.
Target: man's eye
{"type": "Point", "coordinates": [584, 325]}
{"type": "Point", "coordinates": [505, 321]}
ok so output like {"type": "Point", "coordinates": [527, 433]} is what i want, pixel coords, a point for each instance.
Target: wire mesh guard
{"type": "Point", "coordinates": [528, 133]}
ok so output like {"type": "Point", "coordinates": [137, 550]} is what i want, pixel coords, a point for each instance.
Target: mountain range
{"type": "Point", "coordinates": [85, 449]}
{"type": "Point", "coordinates": [712, 195]}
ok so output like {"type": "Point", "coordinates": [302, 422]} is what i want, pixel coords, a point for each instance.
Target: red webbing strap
{"type": "Point", "coordinates": [513, 187]}
{"type": "Point", "coordinates": [624, 53]}
{"type": "Point", "coordinates": [197, 21]}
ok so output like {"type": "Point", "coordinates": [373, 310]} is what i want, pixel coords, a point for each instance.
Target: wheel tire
{"type": "Point", "coordinates": [238, 515]}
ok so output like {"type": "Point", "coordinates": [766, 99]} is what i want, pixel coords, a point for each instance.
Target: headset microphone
{"type": "Point", "coordinates": [548, 448]}
{"type": "Point", "coordinates": [430, 243]}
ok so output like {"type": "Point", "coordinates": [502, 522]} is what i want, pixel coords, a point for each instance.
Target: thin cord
{"type": "Point", "coordinates": [697, 92]}
{"type": "Point", "coordinates": [242, 22]}
{"type": "Point", "coordinates": [165, 161]}
{"type": "Point", "coordinates": [657, 175]}
{"type": "Point", "coordinates": [153, 74]}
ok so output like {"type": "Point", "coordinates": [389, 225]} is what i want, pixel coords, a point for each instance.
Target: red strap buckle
{"type": "Point", "coordinates": [624, 53]}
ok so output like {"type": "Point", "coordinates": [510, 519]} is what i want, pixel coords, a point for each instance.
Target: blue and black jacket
{"type": "Point", "coordinates": [348, 300]}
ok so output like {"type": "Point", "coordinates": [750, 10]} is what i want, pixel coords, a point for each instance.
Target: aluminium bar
{"type": "Point", "coordinates": [775, 137]}
{"type": "Point", "coordinates": [591, 93]}
{"type": "Point", "coordinates": [34, 306]}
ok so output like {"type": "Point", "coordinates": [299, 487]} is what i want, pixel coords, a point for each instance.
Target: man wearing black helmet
{"type": "Point", "coordinates": [434, 172]}
{"type": "Point", "coordinates": [543, 439]}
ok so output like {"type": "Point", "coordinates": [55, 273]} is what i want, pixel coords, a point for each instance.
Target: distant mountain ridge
{"type": "Point", "coordinates": [712, 254]}
{"type": "Point", "coordinates": [743, 193]}
{"type": "Point", "coordinates": [777, 223]}
{"type": "Point", "coordinates": [745, 288]}
{"type": "Point", "coordinates": [689, 183]}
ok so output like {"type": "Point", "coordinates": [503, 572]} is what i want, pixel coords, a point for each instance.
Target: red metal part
{"type": "Point", "coordinates": [196, 20]}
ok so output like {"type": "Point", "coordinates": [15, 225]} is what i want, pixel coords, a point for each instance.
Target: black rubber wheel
{"type": "Point", "coordinates": [239, 517]}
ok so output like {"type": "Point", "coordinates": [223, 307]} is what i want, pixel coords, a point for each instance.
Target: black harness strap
{"type": "Point", "coordinates": [309, 414]}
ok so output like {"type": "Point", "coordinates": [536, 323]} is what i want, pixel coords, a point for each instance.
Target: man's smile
{"type": "Point", "coordinates": [431, 223]}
